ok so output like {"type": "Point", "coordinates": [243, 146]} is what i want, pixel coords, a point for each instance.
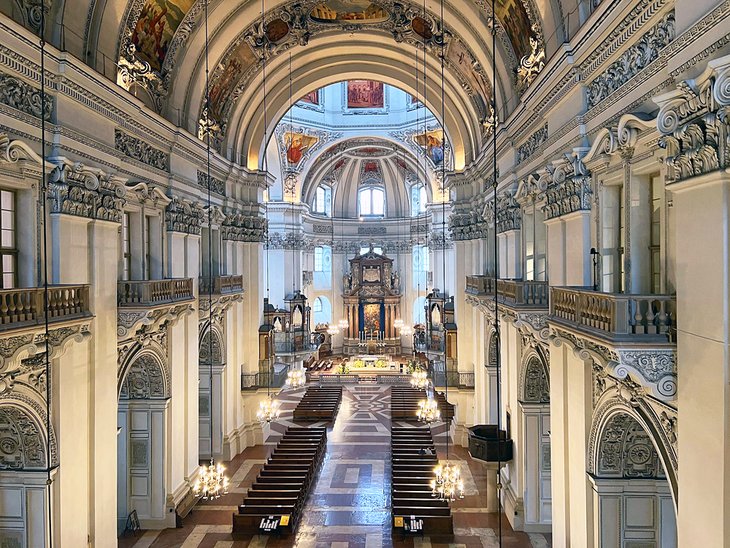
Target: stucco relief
{"type": "Point", "coordinates": [146, 378]}
{"type": "Point", "coordinates": [20, 95]}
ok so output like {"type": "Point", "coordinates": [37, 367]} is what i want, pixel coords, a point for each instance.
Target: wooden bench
{"type": "Point", "coordinates": [275, 501]}
{"type": "Point", "coordinates": [414, 509]}
{"type": "Point", "coordinates": [319, 403]}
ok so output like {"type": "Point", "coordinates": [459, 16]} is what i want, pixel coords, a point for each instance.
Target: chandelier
{"type": "Point", "coordinates": [428, 411]}
{"type": "Point", "coordinates": [447, 484]}
{"type": "Point", "coordinates": [343, 324]}
{"type": "Point", "coordinates": [398, 323]}
{"type": "Point", "coordinates": [332, 329]}
{"type": "Point", "coordinates": [406, 330]}
{"type": "Point", "coordinates": [268, 410]}
{"type": "Point", "coordinates": [295, 379]}
{"type": "Point", "coordinates": [419, 379]}
{"type": "Point", "coordinates": [212, 482]}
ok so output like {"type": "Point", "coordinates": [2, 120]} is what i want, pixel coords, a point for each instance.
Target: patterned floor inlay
{"type": "Point", "coordinates": [349, 505]}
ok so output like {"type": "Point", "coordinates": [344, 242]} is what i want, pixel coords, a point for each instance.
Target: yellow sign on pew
{"type": "Point", "coordinates": [398, 521]}
{"type": "Point", "coordinates": [284, 520]}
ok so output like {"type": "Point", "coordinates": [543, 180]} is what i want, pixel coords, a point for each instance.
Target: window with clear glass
{"type": "Point", "coordinates": [126, 248]}
{"type": "Point", "coordinates": [376, 249]}
{"type": "Point", "coordinates": [8, 243]}
{"type": "Point", "coordinates": [372, 201]}
{"type": "Point", "coordinates": [319, 259]}
{"type": "Point", "coordinates": [148, 247]}
{"type": "Point", "coordinates": [421, 265]}
{"type": "Point", "coordinates": [418, 199]}
{"type": "Point", "coordinates": [533, 229]}
{"type": "Point", "coordinates": [655, 245]}
{"type": "Point", "coordinates": [323, 200]}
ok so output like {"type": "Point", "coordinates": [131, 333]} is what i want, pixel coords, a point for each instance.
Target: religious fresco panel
{"type": "Point", "coordinates": [226, 76]}
{"type": "Point", "coordinates": [338, 11]}
{"type": "Point", "coordinates": [365, 94]}
{"type": "Point", "coordinates": [433, 143]}
{"type": "Point", "coordinates": [516, 23]}
{"type": "Point", "coordinates": [311, 98]}
{"type": "Point", "coordinates": [155, 28]}
{"type": "Point", "coordinates": [296, 145]}
{"type": "Point", "coordinates": [459, 56]}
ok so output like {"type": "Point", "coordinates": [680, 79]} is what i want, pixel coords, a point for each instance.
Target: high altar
{"type": "Point", "coordinates": [371, 297]}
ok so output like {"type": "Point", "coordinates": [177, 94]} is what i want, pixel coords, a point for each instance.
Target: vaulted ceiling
{"type": "Point", "coordinates": [155, 49]}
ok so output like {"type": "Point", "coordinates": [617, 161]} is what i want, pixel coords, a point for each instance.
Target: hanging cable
{"type": "Point", "coordinates": [264, 161]}
{"type": "Point", "coordinates": [496, 266]}
{"type": "Point", "coordinates": [443, 215]}
{"type": "Point", "coordinates": [46, 304]}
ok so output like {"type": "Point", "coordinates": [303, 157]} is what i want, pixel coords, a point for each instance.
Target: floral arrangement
{"type": "Point", "coordinates": [343, 369]}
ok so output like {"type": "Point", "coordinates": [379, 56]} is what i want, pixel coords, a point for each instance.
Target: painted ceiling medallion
{"type": "Point", "coordinates": [349, 11]}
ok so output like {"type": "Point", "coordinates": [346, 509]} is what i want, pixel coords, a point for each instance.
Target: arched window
{"type": "Point", "coordinates": [418, 199]}
{"type": "Point", "coordinates": [323, 200]}
{"type": "Point", "coordinates": [322, 310]}
{"type": "Point", "coordinates": [322, 267]}
{"type": "Point", "coordinates": [371, 202]}
{"type": "Point", "coordinates": [420, 266]}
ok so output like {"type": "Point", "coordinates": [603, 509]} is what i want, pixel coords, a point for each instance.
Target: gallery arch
{"type": "Point", "coordinates": [210, 389]}
{"type": "Point", "coordinates": [632, 498]}
{"type": "Point", "coordinates": [144, 396]}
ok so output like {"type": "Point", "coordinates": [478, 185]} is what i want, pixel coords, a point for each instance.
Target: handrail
{"type": "Point", "coordinates": [515, 292]}
{"type": "Point", "coordinates": [25, 306]}
{"type": "Point", "coordinates": [154, 292]}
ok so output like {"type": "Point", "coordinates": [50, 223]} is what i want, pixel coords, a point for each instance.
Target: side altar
{"type": "Point", "coordinates": [371, 297]}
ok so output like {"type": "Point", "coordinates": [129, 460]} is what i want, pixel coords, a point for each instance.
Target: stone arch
{"type": "Point", "coordinates": [145, 377]}
{"type": "Point", "coordinates": [605, 428]}
{"type": "Point", "coordinates": [204, 345]}
{"type": "Point", "coordinates": [23, 440]}
{"type": "Point", "coordinates": [534, 378]}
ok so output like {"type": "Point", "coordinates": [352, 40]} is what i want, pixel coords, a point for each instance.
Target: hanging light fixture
{"type": "Point", "coordinates": [268, 410]}
{"type": "Point", "coordinates": [447, 483]}
{"type": "Point", "coordinates": [333, 329]}
{"type": "Point", "coordinates": [428, 410]}
{"type": "Point", "coordinates": [419, 379]}
{"type": "Point", "coordinates": [295, 379]}
{"type": "Point", "coordinates": [212, 481]}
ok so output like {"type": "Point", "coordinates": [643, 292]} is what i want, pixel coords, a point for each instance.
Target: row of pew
{"type": "Point", "coordinates": [414, 509]}
{"type": "Point", "coordinates": [319, 403]}
{"type": "Point", "coordinates": [404, 404]}
{"type": "Point", "coordinates": [275, 501]}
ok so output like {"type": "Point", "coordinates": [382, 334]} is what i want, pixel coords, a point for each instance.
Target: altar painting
{"type": "Point", "coordinates": [157, 23]}
{"type": "Point", "coordinates": [371, 312]}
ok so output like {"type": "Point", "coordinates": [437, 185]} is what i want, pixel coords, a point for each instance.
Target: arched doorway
{"type": "Point", "coordinates": [535, 441]}
{"type": "Point", "coordinates": [633, 503]}
{"type": "Point", "coordinates": [144, 394]}
{"type": "Point", "coordinates": [212, 365]}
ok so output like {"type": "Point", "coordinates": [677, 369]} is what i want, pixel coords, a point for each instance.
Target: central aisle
{"type": "Point", "coordinates": [350, 502]}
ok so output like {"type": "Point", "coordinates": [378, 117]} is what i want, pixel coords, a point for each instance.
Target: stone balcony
{"type": "Point", "coordinates": [152, 303]}
{"type": "Point", "coordinates": [154, 293]}
{"type": "Point", "coordinates": [24, 308]}
{"type": "Point", "coordinates": [220, 285]}
{"type": "Point", "coordinates": [513, 293]}
{"type": "Point", "coordinates": [627, 334]}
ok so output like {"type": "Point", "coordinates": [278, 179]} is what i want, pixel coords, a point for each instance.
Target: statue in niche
{"type": "Point", "coordinates": [277, 325]}
{"type": "Point", "coordinates": [347, 281]}
{"type": "Point", "coordinates": [395, 280]}
{"type": "Point", "coordinates": [297, 316]}
{"type": "Point", "coordinates": [436, 315]}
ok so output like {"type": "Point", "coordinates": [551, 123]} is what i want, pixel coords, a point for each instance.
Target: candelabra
{"type": "Point", "coordinates": [428, 411]}
{"type": "Point", "coordinates": [268, 410]}
{"type": "Point", "coordinates": [295, 379]}
{"type": "Point", "coordinates": [447, 484]}
{"type": "Point", "coordinates": [211, 483]}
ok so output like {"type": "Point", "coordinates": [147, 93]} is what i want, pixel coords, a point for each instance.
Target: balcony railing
{"type": "Point", "coordinates": [154, 292]}
{"type": "Point", "coordinates": [291, 343]}
{"type": "Point", "coordinates": [511, 292]}
{"type": "Point", "coordinates": [455, 379]}
{"type": "Point", "coordinates": [221, 285]}
{"type": "Point", "coordinates": [614, 314]}
{"type": "Point", "coordinates": [254, 381]}
{"type": "Point", "coordinates": [25, 307]}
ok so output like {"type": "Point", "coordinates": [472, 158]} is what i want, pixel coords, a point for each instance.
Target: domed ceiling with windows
{"type": "Point", "coordinates": [356, 149]}
{"type": "Point", "coordinates": [156, 50]}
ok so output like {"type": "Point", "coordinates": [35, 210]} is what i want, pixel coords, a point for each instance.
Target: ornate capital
{"type": "Point", "coordinates": [184, 216]}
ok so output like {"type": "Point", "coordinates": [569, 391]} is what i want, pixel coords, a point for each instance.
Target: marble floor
{"type": "Point", "coordinates": [349, 504]}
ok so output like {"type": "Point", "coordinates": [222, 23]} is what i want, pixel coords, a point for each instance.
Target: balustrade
{"type": "Point", "coordinates": [510, 292]}
{"type": "Point", "coordinates": [612, 313]}
{"type": "Point", "coordinates": [154, 292]}
{"type": "Point", "coordinates": [25, 307]}
{"type": "Point", "coordinates": [221, 285]}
